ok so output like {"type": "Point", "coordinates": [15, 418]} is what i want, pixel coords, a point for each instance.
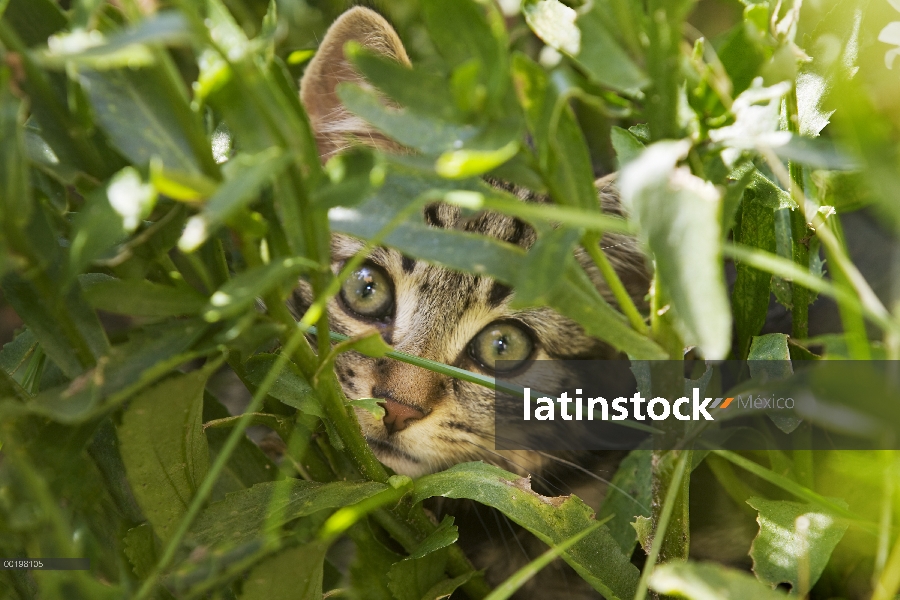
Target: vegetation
{"type": "Point", "coordinates": [157, 164]}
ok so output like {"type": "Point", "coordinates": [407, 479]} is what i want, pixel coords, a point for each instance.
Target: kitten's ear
{"type": "Point", "coordinates": [336, 127]}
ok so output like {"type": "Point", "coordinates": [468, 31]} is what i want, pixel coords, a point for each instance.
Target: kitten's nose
{"type": "Point", "coordinates": [397, 416]}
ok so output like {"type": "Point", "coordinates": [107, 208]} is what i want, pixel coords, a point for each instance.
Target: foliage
{"type": "Point", "coordinates": [158, 170]}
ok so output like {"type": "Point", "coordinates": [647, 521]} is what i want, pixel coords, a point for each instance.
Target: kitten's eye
{"type": "Point", "coordinates": [368, 293]}
{"type": "Point", "coordinates": [504, 341]}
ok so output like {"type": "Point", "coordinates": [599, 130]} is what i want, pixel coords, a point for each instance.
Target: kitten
{"type": "Point", "coordinates": [433, 421]}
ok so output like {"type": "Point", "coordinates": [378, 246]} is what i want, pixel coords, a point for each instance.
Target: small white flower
{"type": "Point", "coordinates": [549, 57]}
{"type": "Point", "coordinates": [510, 8]}
{"type": "Point", "coordinates": [554, 23]}
{"type": "Point", "coordinates": [756, 113]}
{"type": "Point", "coordinates": [77, 41]}
{"type": "Point", "coordinates": [130, 197]}
{"type": "Point", "coordinates": [891, 35]}
{"type": "Point", "coordinates": [195, 233]}
{"type": "Point", "coordinates": [221, 144]}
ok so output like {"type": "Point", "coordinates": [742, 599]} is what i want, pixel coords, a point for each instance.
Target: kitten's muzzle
{"type": "Point", "coordinates": [398, 416]}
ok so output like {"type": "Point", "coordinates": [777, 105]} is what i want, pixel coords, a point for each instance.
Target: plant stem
{"type": "Point", "coordinates": [673, 491]}
{"type": "Point", "coordinates": [799, 231]}
{"type": "Point", "coordinates": [661, 326]}
{"type": "Point", "coordinates": [851, 316]}
{"type": "Point", "coordinates": [867, 298]}
{"type": "Point", "coordinates": [591, 243]}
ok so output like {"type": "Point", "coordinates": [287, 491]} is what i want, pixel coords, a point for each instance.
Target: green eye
{"type": "Point", "coordinates": [504, 341]}
{"type": "Point", "coordinates": [368, 292]}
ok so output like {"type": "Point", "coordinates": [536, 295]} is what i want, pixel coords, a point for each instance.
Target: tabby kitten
{"type": "Point", "coordinates": [433, 421]}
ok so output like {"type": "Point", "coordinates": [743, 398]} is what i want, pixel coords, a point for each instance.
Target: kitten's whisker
{"type": "Point", "coordinates": [515, 536]}
{"type": "Point", "coordinates": [502, 535]}
{"type": "Point", "coordinates": [630, 243]}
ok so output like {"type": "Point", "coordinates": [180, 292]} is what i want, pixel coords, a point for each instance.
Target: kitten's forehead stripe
{"type": "Point", "coordinates": [499, 294]}
{"type": "Point", "coordinates": [408, 264]}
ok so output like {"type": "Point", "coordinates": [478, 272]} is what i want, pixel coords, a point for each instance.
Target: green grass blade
{"type": "Point", "coordinates": [521, 577]}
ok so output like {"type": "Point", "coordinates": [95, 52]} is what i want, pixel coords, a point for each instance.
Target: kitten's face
{"type": "Point", "coordinates": [432, 421]}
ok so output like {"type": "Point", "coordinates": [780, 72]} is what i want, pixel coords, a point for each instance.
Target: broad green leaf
{"type": "Point", "coordinates": [750, 297]}
{"type": "Point", "coordinates": [247, 465]}
{"type": "Point", "coordinates": [139, 547]}
{"type": "Point", "coordinates": [451, 248]}
{"type": "Point", "coordinates": [60, 343]}
{"type": "Point", "coordinates": [352, 176]}
{"type": "Point", "coordinates": [628, 496]}
{"type": "Point", "coordinates": [411, 129]}
{"type": "Point", "coordinates": [602, 57]}
{"type": "Point", "coordinates": [140, 297]}
{"type": "Point", "coordinates": [588, 41]}
{"type": "Point", "coordinates": [577, 218]}
{"type": "Point", "coordinates": [627, 145]}
{"type": "Point", "coordinates": [793, 538]}
{"type": "Point", "coordinates": [368, 571]}
{"type": "Point", "coordinates": [743, 51]}
{"type": "Point", "coordinates": [15, 193]}
{"type": "Point", "coordinates": [426, 91]}
{"type": "Point", "coordinates": [164, 449]}
{"type": "Point", "coordinates": [545, 266]}
{"type": "Point", "coordinates": [294, 573]}
{"type": "Point", "coordinates": [643, 531]}
{"type": "Point", "coordinates": [678, 215]}
{"type": "Point", "coordinates": [770, 347]}
{"type": "Point", "coordinates": [346, 517]}
{"type": "Point", "coordinates": [147, 356]}
{"type": "Point", "coordinates": [144, 121]}
{"type": "Point", "coordinates": [245, 515]}
{"type": "Point", "coordinates": [34, 20]}
{"type": "Point", "coordinates": [708, 581]}
{"type": "Point", "coordinates": [290, 386]}
{"type": "Point", "coordinates": [14, 353]}
{"type": "Point", "coordinates": [444, 589]}
{"type": "Point", "coordinates": [126, 49]}
{"type": "Point", "coordinates": [446, 534]}
{"type": "Point", "coordinates": [768, 193]}
{"type": "Point", "coordinates": [467, 148]}
{"type": "Point", "coordinates": [97, 229]}
{"type": "Point", "coordinates": [104, 451]}
{"type": "Point", "coordinates": [553, 520]}
{"type": "Point", "coordinates": [245, 177]}
{"type": "Point", "coordinates": [562, 151]}
{"type": "Point", "coordinates": [14, 356]}
{"type": "Point", "coordinates": [781, 287]}
{"type": "Point", "coordinates": [846, 192]}
{"type": "Point", "coordinates": [467, 33]}
{"type": "Point", "coordinates": [770, 360]}
{"type": "Point", "coordinates": [411, 578]}
{"type": "Point", "coordinates": [243, 290]}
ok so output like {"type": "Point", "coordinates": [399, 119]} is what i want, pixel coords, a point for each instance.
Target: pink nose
{"type": "Point", "coordinates": [397, 416]}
